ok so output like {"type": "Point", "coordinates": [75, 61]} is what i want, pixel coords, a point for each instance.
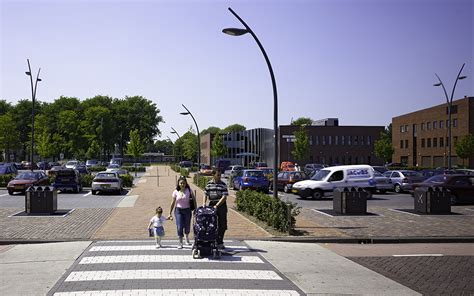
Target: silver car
{"type": "Point", "coordinates": [403, 179]}
{"type": "Point", "coordinates": [107, 182]}
{"type": "Point", "coordinates": [233, 170]}
{"type": "Point", "coordinates": [382, 183]}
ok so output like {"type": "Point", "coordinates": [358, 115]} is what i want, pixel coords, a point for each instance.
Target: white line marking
{"type": "Point", "coordinates": [128, 201]}
{"type": "Point", "coordinates": [322, 213]}
{"type": "Point", "coordinates": [173, 292]}
{"type": "Point", "coordinates": [469, 209]}
{"type": "Point", "coordinates": [404, 212]}
{"type": "Point", "coordinates": [419, 255]}
{"type": "Point", "coordinates": [105, 275]}
{"type": "Point", "coordinates": [151, 247]}
{"type": "Point", "coordinates": [142, 181]}
{"type": "Point", "coordinates": [167, 258]}
{"type": "Point", "coordinates": [88, 193]}
{"type": "Point", "coordinates": [4, 194]}
{"type": "Point", "coordinates": [130, 191]}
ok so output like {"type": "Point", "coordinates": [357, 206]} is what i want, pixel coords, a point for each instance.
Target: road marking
{"type": "Point", "coordinates": [419, 255]}
{"type": "Point", "coordinates": [142, 181]}
{"type": "Point", "coordinates": [322, 213]}
{"type": "Point", "coordinates": [128, 201]}
{"type": "Point", "coordinates": [158, 274]}
{"type": "Point", "coordinates": [151, 247]}
{"type": "Point", "coordinates": [130, 191]}
{"type": "Point", "coordinates": [89, 193]}
{"type": "Point", "coordinates": [4, 194]}
{"type": "Point", "coordinates": [403, 212]}
{"type": "Point", "coordinates": [175, 292]}
{"type": "Point", "coordinates": [167, 258]}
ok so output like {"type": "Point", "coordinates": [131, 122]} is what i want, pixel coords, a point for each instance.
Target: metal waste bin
{"type": "Point", "coordinates": [41, 200]}
{"type": "Point", "coordinates": [432, 200]}
{"type": "Point", "coordinates": [350, 201]}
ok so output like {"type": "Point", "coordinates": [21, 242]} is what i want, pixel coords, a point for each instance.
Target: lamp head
{"type": "Point", "coordinates": [184, 113]}
{"type": "Point", "coordinates": [234, 31]}
{"type": "Point", "coordinates": [38, 79]}
{"type": "Point", "coordinates": [462, 77]}
{"type": "Point", "coordinates": [28, 73]}
{"type": "Point", "coordinates": [437, 84]}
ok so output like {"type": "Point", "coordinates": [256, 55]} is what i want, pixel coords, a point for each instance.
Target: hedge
{"type": "Point", "coordinates": [268, 209]}
{"type": "Point", "coordinates": [4, 179]}
{"type": "Point", "coordinates": [201, 181]}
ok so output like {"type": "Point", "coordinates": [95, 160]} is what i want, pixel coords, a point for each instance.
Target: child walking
{"type": "Point", "coordinates": [156, 228]}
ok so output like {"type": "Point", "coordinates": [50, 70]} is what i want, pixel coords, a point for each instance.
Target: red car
{"type": "Point", "coordinates": [460, 186]}
{"type": "Point", "coordinates": [25, 180]}
{"type": "Point", "coordinates": [286, 180]}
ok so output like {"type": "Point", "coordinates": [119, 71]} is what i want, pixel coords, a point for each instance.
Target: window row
{"type": "Point", "coordinates": [435, 142]}
{"type": "Point", "coordinates": [430, 125]}
{"type": "Point", "coordinates": [340, 140]}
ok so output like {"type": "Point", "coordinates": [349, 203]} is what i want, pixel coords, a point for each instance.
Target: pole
{"type": "Point", "coordinates": [33, 97]}
{"type": "Point", "coordinates": [275, 104]}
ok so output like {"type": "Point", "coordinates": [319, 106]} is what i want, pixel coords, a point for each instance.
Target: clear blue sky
{"type": "Point", "coordinates": [363, 61]}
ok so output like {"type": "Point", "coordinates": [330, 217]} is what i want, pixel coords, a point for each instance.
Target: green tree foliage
{"type": "Point", "coordinates": [188, 142]}
{"type": "Point", "coordinates": [164, 146]}
{"type": "Point", "coordinates": [93, 152]}
{"type": "Point", "coordinates": [9, 136]}
{"type": "Point", "coordinates": [302, 121]}
{"type": "Point", "coordinates": [210, 130]}
{"type": "Point", "coordinates": [44, 145]}
{"type": "Point", "coordinates": [135, 147]}
{"type": "Point", "coordinates": [465, 147]}
{"type": "Point", "coordinates": [4, 107]}
{"type": "Point", "coordinates": [301, 147]}
{"type": "Point", "coordinates": [218, 149]}
{"type": "Point", "coordinates": [234, 128]}
{"type": "Point", "coordinates": [383, 147]}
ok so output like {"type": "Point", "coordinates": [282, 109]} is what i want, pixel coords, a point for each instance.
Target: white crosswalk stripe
{"type": "Point", "coordinates": [138, 268]}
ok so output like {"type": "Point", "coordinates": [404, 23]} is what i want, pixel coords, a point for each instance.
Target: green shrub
{"type": "Point", "coordinates": [86, 180]}
{"type": "Point", "coordinates": [127, 180]}
{"type": "Point", "coordinates": [275, 212]}
{"type": "Point", "coordinates": [200, 180]}
{"type": "Point", "coordinates": [4, 179]}
{"type": "Point", "coordinates": [97, 169]}
{"type": "Point", "coordinates": [175, 167]}
{"type": "Point", "coordinates": [184, 172]}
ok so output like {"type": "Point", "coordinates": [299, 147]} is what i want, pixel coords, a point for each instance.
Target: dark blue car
{"type": "Point", "coordinates": [251, 179]}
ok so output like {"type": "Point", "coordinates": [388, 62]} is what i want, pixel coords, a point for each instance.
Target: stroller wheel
{"type": "Point", "coordinates": [216, 254]}
{"type": "Point", "coordinates": [196, 254]}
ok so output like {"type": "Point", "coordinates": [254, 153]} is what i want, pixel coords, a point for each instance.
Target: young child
{"type": "Point", "coordinates": [156, 228]}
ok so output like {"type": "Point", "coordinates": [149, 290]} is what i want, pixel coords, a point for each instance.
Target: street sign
{"type": "Point", "coordinates": [61, 156]}
{"type": "Point", "coordinates": [288, 136]}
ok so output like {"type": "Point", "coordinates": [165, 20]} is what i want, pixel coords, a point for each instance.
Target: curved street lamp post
{"type": "Point", "coordinates": [449, 102]}
{"type": "Point", "coordinates": [239, 32]}
{"type": "Point", "coordinates": [198, 136]}
{"type": "Point", "coordinates": [179, 137]}
{"type": "Point", "coordinates": [33, 97]}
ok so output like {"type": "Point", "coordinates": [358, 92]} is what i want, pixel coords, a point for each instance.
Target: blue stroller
{"type": "Point", "coordinates": [205, 233]}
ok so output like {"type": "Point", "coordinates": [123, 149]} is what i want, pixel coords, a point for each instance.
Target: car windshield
{"type": "Point", "coordinates": [320, 175]}
{"type": "Point", "coordinates": [27, 176]}
{"type": "Point", "coordinates": [254, 174]}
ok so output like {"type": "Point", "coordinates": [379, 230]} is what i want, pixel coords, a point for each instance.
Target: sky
{"type": "Point", "coordinates": [362, 61]}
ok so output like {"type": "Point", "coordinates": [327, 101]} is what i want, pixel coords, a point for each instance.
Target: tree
{"type": "Point", "coordinates": [465, 147]}
{"type": "Point", "coordinates": [93, 152]}
{"type": "Point", "coordinates": [383, 147]}
{"type": "Point", "coordinates": [9, 136]}
{"type": "Point", "coordinates": [135, 147]}
{"type": "Point", "coordinates": [164, 146]}
{"type": "Point", "coordinates": [210, 130]}
{"type": "Point", "coordinates": [4, 107]}
{"type": "Point", "coordinates": [301, 146]}
{"type": "Point", "coordinates": [234, 128]}
{"type": "Point", "coordinates": [302, 121]}
{"type": "Point", "coordinates": [43, 137]}
{"type": "Point", "coordinates": [188, 144]}
{"type": "Point", "coordinates": [218, 149]}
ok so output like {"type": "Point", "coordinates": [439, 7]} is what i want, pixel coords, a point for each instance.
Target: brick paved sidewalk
{"type": "Point", "coordinates": [131, 222]}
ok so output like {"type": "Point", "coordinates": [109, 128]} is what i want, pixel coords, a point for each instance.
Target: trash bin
{"type": "Point", "coordinates": [350, 201]}
{"type": "Point", "coordinates": [42, 200]}
{"type": "Point", "coordinates": [432, 200]}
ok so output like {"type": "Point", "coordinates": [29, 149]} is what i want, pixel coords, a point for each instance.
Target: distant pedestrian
{"type": "Point", "coordinates": [216, 193]}
{"type": "Point", "coordinates": [183, 200]}
{"type": "Point", "coordinates": [297, 167]}
{"type": "Point", "coordinates": [156, 228]}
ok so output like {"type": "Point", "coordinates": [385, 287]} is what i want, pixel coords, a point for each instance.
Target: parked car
{"type": "Point", "coordinates": [330, 178]}
{"type": "Point", "coordinates": [205, 170]}
{"type": "Point", "coordinates": [286, 180]}
{"type": "Point", "coordinates": [107, 182]}
{"type": "Point", "coordinates": [250, 179]}
{"type": "Point", "coordinates": [403, 179]}
{"type": "Point", "coordinates": [28, 165]}
{"type": "Point", "coordinates": [82, 169]}
{"type": "Point", "coordinates": [382, 183]}
{"type": "Point", "coordinates": [222, 164]}
{"type": "Point", "coordinates": [71, 164]}
{"type": "Point", "coordinates": [258, 165]}
{"type": "Point", "coordinates": [310, 167]}
{"type": "Point", "coordinates": [119, 171]}
{"type": "Point", "coordinates": [116, 160]}
{"type": "Point", "coordinates": [233, 170]}
{"type": "Point", "coordinates": [54, 170]}
{"type": "Point", "coordinates": [464, 171]}
{"type": "Point", "coordinates": [380, 169]}
{"type": "Point", "coordinates": [25, 180]}
{"type": "Point", "coordinates": [43, 165]}
{"type": "Point", "coordinates": [92, 163]}
{"type": "Point", "coordinates": [287, 166]}
{"type": "Point", "coordinates": [268, 172]}
{"type": "Point", "coordinates": [67, 179]}
{"type": "Point", "coordinates": [8, 169]}
{"type": "Point", "coordinates": [186, 164]}
{"type": "Point", "coordinates": [427, 173]}
{"type": "Point", "coordinates": [460, 186]}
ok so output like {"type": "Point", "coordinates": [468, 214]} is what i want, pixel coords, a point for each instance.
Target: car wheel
{"type": "Point", "coordinates": [317, 194]}
{"type": "Point", "coordinates": [94, 192]}
{"type": "Point", "coordinates": [454, 199]}
{"type": "Point", "coordinates": [285, 189]}
{"type": "Point", "coordinates": [398, 188]}
{"type": "Point", "coordinates": [10, 192]}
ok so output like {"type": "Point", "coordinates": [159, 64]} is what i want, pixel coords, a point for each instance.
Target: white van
{"type": "Point", "coordinates": [330, 178]}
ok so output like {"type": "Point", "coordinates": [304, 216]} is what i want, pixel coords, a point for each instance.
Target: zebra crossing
{"type": "Point", "coordinates": [139, 268]}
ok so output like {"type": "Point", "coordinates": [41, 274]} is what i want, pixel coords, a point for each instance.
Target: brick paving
{"type": "Point", "coordinates": [446, 275]}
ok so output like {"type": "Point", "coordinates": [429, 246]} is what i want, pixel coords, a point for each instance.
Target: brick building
{"type": "Point", "coordinates": [420, 138]}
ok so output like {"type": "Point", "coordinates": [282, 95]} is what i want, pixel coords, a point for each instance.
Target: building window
{"type": "Point", "coordinates": [406, 128]}
{"type": "Point", "coordinates": [356, 138]}
{"type": "Point", "coordinates": [406, 143]}
{"type": "Point", "coordinates": [428, 143]}
{"type": "Point", "coordinates": [422, 126]}
{"type": "Point", "coordinates": [401, 144]}
{"type": "Point", "coordinates": [441, 142]}
{"type": "Point", "coordinates": [343, 138]}
{"type": "Point", "coordinates": [455, 122]}
{"type": "Point", "coordinates": [324, 140]}
{"type": "Point", "coordinates": [329, 140]}
{"type": "Point", "coordinates": [402, 127]}
{"type": "Point", "coordinates": [447, 123]}
{"type": "Point", "coordinates": [435, 124]}
{"type": "Point", "coordinates": [369, 140]}
{"type": "Point", "coordinates": [336, 141]}
{"type": "Point", "coordinates": [441, 123]}
{"type": "Point", "coordinates": [349, 140]}
{"type": "Point", "coordinates": [422, 143]}
{"type": "Point", "coordinates": [455, 140]}
{"type": "Point", "coordinates": [317, 140]}
{"type": "Point", "coordinates": [428, 125]}
{"type": "Point", "coordinates": [362, 140]}
{"type": "Point", "coordinates": [311, 140]}
{"type": "Point", "coordinates": [435, 142]}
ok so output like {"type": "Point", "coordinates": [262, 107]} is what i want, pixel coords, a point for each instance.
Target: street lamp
{"type": "Point", "coordinates": [198, 136]}
{"type": "Point", "coordinates": [239, 32]}
{"type": "Point", "coordinates": [33, 96]}
{"type": "Point", "coordinates": [450, 104]}
{"type": "Point", "coordinates": [179, 137]}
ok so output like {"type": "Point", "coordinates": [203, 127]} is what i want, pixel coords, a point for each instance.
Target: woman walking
{"type": "Point", "coordinates": [181, 204]}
